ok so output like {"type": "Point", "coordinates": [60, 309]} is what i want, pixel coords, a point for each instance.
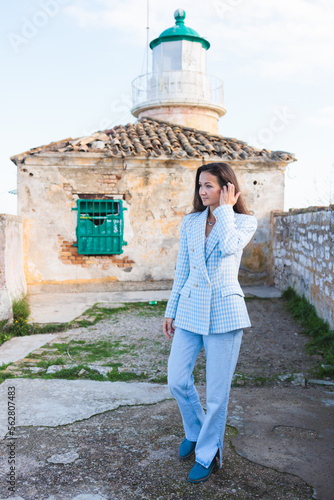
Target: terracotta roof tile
{"type": "Point", "coordinates": [155, 138]}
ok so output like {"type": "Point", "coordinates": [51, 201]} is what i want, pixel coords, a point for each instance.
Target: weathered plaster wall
{"type": "Point", "coordinates": [263, 185]}
{"type": "Point", "coordinates": [12, 279]}
{"type": "Point", "coordinates": [157, 194]}
{"type": "Point", "coordinates": [303, 256]}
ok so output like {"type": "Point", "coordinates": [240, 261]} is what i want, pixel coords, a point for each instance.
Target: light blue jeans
{"type": "Point", "coordinates": [222, 352]}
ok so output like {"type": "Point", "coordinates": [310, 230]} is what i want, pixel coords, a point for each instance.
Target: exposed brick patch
{"type": "Point", "coordinates": [108, 183]}
{"type": "Point", "coordinates": [68, 254]}
{"type": "Point", "coordinates": [68, 189]}
{"type": "Point", "coordinates": [93, 196]}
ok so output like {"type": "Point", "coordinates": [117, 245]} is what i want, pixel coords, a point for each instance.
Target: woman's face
{"type": "Point", "coordinates": [209, 190]}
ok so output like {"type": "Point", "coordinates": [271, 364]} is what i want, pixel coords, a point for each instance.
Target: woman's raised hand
{"type": "Point", "coordinates": [168, 328]}
{"type": "Point", "coordinates": [227, 195]}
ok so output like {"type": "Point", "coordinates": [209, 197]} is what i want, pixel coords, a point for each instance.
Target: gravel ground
{"type": "Point", "coordinates": [130, 453]}
{"type": "Point", "coordinates": [273, 346]}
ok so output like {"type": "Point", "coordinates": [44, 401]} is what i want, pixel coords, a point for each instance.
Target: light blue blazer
{"type": "Point", "coordinates": [206, 296]}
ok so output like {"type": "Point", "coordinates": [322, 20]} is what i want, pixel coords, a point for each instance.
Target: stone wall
{"type": "Point", "coordinates": [303, 251]}
{"type": "Point", "coordinates": [12, 279]}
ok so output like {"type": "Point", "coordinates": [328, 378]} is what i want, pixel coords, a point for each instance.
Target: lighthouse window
{"type": "Point", "coordinates": [172, 56]}
{"type": "Point", "coordinates": [157, 61]}
{"type": "Point", "coordinates": [100, 227]}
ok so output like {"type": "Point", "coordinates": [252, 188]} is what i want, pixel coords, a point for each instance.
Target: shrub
{"type": "Point", "coordinates": [21, 312]}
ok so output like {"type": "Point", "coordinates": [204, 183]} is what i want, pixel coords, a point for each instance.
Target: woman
{"type": "Point", "coordinates": [209, 309]}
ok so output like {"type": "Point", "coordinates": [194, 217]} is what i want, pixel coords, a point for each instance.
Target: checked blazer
{"type": "Point", "coordinates": [206, 296]}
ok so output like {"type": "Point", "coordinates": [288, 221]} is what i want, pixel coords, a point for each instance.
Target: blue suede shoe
{"type": "Point", "coordinates": [199, 474]}
{"type": "Point", "coordinates": [187, 448]}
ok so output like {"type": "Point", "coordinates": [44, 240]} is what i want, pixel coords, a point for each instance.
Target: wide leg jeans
{"type": "Point", "coordinates": [222, 351]}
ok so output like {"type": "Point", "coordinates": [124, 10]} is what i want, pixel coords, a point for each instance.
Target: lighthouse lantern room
{"type": "Point", "coordinates": [178, 89]}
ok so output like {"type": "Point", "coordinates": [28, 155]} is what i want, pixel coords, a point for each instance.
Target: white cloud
{"type": "Point", "coordinates": [280, 39]}
{"type": "Point", "coordinates": [127, 17]}
{"type": "Point", "coordinates": [323, 117]}
{"type": "Point", "coordinates": [275, 39]}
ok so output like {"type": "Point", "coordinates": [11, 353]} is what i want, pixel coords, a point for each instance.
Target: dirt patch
{"type": "Point", "coordinates": [131, 453]}
{"type": "Point", "coordinates": [274, 344]}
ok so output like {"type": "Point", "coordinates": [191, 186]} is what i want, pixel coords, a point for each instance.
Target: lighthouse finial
{"type": "Point", "coordinates": [179, 16]}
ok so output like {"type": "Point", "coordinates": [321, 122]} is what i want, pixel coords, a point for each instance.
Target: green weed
{"type": "Point", "coordinates": [45, 363]}
{"type": "Point", "coordinates": [5, 375]}
{"type": "Point", "coordinates": [3, 323]}
{"type": "Point", "coordinates": [263, 380]}
{"type": "Point", "coordinates": [160, 379]}
{"type": "Point", "coordinates": [4, 337]}
{"type": "Point", "coordinates": [322, 337]}
{"type": "Point", "coordinates": [98, 313]}
{"type": "Point", "coordinates": [240, 377]}
{"type": "Point", "coordinates": [21, 309]}
{"type": "Point", "coordinates": [73, 374]}
{"type": "Point", "coordinates": [21, 324]}
{"type": "Point", "coordinates": [112, 365]}
{"type": "Point", "coordinates": [94, 351]}
{"type": "Point", "coordinates": [116, 376]}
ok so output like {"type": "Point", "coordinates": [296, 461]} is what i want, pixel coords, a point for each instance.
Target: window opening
{"type": "Point", "coordinates": [100, 227]}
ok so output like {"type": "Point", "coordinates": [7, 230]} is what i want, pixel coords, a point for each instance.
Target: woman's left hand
{"type": "Point", "coordinates": [227, 195]}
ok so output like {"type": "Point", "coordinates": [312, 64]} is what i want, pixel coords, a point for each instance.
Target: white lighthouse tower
{"type": "Point", "coordinates": [178, 89]}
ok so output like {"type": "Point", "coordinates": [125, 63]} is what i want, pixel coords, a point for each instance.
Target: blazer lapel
{"type": "Point", "coordinates": [212, 242]}
{"type": "Point", "coordinates": [199, 234]}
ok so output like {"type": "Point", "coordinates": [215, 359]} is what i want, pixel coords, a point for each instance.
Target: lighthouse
{"type": "Point", "coordinates": [178, 89]}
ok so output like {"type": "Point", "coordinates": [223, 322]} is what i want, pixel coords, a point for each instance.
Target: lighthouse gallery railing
{"type": "Point", "coordinates": [177, 86]}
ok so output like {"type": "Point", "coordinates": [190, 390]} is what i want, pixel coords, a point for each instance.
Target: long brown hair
{"type": "Point", "coordinates": [224, 174]}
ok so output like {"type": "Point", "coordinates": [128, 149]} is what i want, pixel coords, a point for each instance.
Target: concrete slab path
{"type": "Point", "coordinates": [19, 347]}
{"type": "Point", "coordinates": [61, 402]}
{"type": "Point", "coordinates": [63, 307]}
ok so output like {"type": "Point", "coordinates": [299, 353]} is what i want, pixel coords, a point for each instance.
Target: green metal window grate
{"type": "Point", "coordinates": [100, 227]}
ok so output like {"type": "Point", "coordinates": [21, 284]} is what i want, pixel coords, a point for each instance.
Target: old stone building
{"type": "Point", "coordinates": [105, 210]}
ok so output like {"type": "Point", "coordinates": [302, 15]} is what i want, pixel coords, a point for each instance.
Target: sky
{"type": "Point", "coordinates": [68, 67]}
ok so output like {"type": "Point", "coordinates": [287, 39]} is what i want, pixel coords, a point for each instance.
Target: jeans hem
{"type": "Point", "coordinates": [203, 465]}
{"type": "Point", "coordinates": [210, 462]}
{"type": "Point", "coordinates": [192, 440]}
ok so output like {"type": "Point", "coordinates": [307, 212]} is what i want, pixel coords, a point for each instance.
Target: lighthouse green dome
{"type": "Point", "coordinates": [179, 32]}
